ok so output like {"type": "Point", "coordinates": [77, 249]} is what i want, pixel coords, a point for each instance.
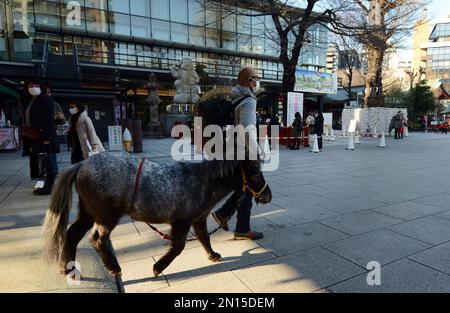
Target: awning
{"type": "Point", "coordinates": [439, 91]}
{"type": "Point", "coordinates": [10, 92]}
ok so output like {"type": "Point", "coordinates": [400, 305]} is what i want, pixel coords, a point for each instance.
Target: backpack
{"type": "Point", "coordinates": [219, 112]}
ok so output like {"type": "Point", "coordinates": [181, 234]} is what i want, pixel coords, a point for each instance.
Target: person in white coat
{"type": "Point", "coordinates": [82, 132]}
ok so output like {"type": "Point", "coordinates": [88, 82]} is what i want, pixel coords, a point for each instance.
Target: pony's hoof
{"type": "Point", "coordinates": [156, 272]}
{"type": "Point", "coordinates": [215, 257]}
{"type": "Point", "coordinates": [116, 274]}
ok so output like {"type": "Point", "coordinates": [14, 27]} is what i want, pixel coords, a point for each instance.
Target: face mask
{"type": "Point", "coordinates": [73, 111]}
{"type": "Point", "coordinates": [35, 91]}
{"type": "Point", "coordinates": [257, 87]}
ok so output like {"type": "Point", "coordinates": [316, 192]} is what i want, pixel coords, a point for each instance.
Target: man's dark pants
{"type": "Point", "coordinates": [244, 209]}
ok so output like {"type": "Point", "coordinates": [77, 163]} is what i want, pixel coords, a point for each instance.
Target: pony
{"type": "Point", "coordinates": [111, 185]}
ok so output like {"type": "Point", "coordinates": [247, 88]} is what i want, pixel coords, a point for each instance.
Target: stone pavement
{"type": "Point", "coordinates": [332, 213]}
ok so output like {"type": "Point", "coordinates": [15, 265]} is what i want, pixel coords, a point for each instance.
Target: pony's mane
{"type": "Point", "coordinates": [217, 168]}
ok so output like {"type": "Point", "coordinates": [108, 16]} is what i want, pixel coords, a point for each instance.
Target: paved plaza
{"type": "Point", "coordinates": [332, 213]}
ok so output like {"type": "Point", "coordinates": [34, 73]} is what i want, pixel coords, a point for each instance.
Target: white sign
{"type": "Point", "coordinates": [327, 119]}
{"type": "Point", "coordinates": [295, 104]}
{"type": "Point", "coordinates": [352, 127]}
{"type": "Point", "coordinates": [115, 138]}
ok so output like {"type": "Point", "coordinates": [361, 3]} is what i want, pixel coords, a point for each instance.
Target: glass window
{"type": "Point", "coordinates": [179, 32]}
{"type": "Point", "coordinates": [160, 9]}
{"type": "Point", "coordinates": [196, 13]}
{"type": "Point", "coordinates": [3, 53]}
{"type": "Point", "coordinates": [244, 43]}
{"type": "Point", "coordinates": [47, 12]}
{"type": "Point", "coordinates": [244, 23]}
{"type": "Point", "coordinates": [229, 23]}
{"type": "Point", "coordinates": [96, 20]}
{"type": "Point", "coordinates": [178, 11]}
{"type": "Point", "coordinates": [229, 40]}
{"type": "Point", "coordinates": [258, 44]}
{"type": "Point", "coordinates": [160, 30]}
{"type": "Point", "coordinates": [141, 27]}
{"type": "Point", "coordinates": [213, 19]}
{"type": "Point", "coordinates": [196, 36]}
{"type": "Point", "coordinates": [122, 6]}
{"type": "Point", "coordinates": [96, 4]}
{"type": "Point", "coordinates": [258, 25]}
{"type": "Point", "coordinates": [119, 24]}
{"type": "Point", "coordinates": [140, 7]}
{"type": "Point", "coordinates": [212, 38]}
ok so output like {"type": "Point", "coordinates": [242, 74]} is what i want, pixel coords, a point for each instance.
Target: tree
{"type": "Point", "coordinates": [291, 26]}
{"type": "Point", "coordinates": [420, 100]}
{"type": "Point", "coordinates": [412, 74]}
{"type": "Point", "coordinates": [379, 25]}
{"type": "Point", "coordinates": [349, 61]}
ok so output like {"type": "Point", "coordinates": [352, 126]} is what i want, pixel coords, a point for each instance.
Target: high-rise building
{"type": "Point", "coordinates": [437, 51]}
{"type": "Point", "coordinates": [421, 33]}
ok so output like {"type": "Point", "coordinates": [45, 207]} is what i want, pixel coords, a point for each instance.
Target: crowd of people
{"type": "Point", "coordinates": [41, 116]}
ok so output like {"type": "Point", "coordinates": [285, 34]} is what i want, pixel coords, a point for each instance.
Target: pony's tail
{"type": "Point", "coordinates": [57, 217]}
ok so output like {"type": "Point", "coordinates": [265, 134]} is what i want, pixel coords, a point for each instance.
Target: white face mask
{"type": "Point", "coordinates": [73, 111]}
{"type": "Point", "coordinates": [35, 91]}
{"type": "Point", "coordinates": [257, 87]}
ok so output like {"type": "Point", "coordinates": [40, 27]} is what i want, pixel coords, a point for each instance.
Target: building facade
{"type": "Point", "coordinates": [438, 54]}
{"type": "Point", "coordinates": [81, 46]}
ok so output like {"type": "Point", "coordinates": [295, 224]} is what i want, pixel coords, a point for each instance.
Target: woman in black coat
{"type": "Point", "coordinates": [39, 116]}
{"type": "Point", "coordinates": [319, 129]}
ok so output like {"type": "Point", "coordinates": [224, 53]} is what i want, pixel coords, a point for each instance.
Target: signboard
{"type": "Point", "coordinates": [315, 82]}
{"type": "Point", "coordinates": [115, 138]}
{"type": "Point", "coordinates": [9, 138]}
{"type": "Point", "coordinates": [295, 104]}
{"type": "Point", "coordinates": [327, 119]}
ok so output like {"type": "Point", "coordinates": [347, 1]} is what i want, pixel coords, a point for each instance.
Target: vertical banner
{"type": "Point", "coordinates": [115, 138]}
{"type": "Point", "coordinates": [294, 105]}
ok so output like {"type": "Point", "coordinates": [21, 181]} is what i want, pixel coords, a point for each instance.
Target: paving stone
{"type": "Point", "coordinates": [299, 272]}
{"type": "Point", "coordinates": [403, 276]}
{"type": "Point", "coordinates": [409, 210]}
{"type": "Point", "coordinates": [382, 246]}
{"type": "Point", "coordinates": [431, 229]}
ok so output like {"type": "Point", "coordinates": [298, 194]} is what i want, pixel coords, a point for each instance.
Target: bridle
{"type": "Point", "coordinates": [246, 187]}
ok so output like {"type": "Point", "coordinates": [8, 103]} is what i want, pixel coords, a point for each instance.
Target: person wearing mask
{"type": "Point", "coordinates": [82, 132]}
{"type": "Point", "coordinates": [297, 129]}
{"type": "Point", "coordinates": [39, 135]}
{"type": "Point", "coordinates": [318, 126]}
{"type": "Point", "coordinates": [245, 115]}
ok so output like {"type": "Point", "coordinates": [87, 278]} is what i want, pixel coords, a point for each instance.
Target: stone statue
{"type": "Point", "coordinates": [153, 100]}
{"type": "Point", "coordinates": [186, 84]}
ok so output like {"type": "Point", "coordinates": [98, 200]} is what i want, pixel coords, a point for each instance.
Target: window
{"type": "Point", "coordinates": [212, 38]}
{"type": "Point", "coordinates": [179, 33]}
{"type": "Point", "coordinates": [229, 23]}
{"type": "Point", "coordinates": [96, 4]}
{"type": "Point", "coordinates": [119, 24]}
{"type": "Point", "coordinates": [244, 23]}
{"type": "Point", "coordinates": [196, 36]}
{"type": "Point", "coordinates": [3, 53]}
{"type": "Point", "coordinates": [196, 14]}
{"type": "Point", "coordinates": [229, 40]}
{"type": "Point", "coordinates": [160, 9]}
{"type": "Point", "coordinates": [140, 7]}
{"type": "Point", "coordinates": [244, 43]}
{"type": "Point", "coordinates": [96, 20]}
{"type": "Point", "coordinates": [160, 30]}
{"type": "Point", "coordinates": [47, 12]}
{"type": "Point", "coordinates": [178, 11]}
{"type": "Point", "coordinates": [141, 27]}
{"type": "Point", "coordinates": [122, 6]}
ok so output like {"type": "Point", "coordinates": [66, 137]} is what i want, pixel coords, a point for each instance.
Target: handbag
{"type": "Point", "coordinates": [30, 133]}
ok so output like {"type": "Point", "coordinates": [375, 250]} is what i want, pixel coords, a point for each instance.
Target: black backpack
{"type": "Point", "coordinates": [219, 111]}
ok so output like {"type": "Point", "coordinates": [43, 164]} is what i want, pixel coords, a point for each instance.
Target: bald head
{"type": "Point", "coordinates": [245, 74]}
